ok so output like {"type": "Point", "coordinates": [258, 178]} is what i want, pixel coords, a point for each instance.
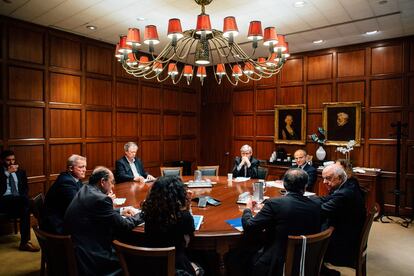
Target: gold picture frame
{"type": "Point", "coordinates": [290, 124]}
{"type": "Point", "coordinates": [342, 122]}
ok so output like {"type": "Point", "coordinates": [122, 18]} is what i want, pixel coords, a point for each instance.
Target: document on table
{"type": "Point", "coordinates": [119, 200]}
{"type": "Point", "coordinates": [236, 223]}
{"type": "Point", "coordinates": [198, 219]}
{"type": "Point", "coordinates": [241, 179]}
{"type": "Point", "coordinates": [276, 183]}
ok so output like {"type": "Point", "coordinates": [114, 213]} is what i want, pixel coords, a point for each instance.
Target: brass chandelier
{"type": "Point", "coordinates": [202, 47]}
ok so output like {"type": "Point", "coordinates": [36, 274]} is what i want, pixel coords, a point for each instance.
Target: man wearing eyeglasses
{"type": "Point", "coordinates": [14, 199]}
{"type": "Point", "coordinates": [246, 165]}
{"type": "Point", "coordinates": [301, 162]}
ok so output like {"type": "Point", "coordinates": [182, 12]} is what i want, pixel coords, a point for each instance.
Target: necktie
{"type": "Point", "coordinates": [12, 184]}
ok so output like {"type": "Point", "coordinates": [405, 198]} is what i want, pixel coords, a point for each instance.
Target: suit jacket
{"type": "Point", "coordinates": [123, 172]}
{"type": "Point", "coordinates": [311, 171]}
{"type": "Point", "coordinates": [92, 222]}
{"type": "Point", "coordinates": [251, 172]}
{"type": "Point", "coordinates": [22, 185]}
{"type": "Point", "coordinates": [293, 214]}
{"type": "Point", "coordinates": [57, 200]}
{"type": "Point", "coordinates": [344, 209]}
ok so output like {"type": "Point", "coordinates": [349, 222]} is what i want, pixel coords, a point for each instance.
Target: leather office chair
{"type": "Point", "coordinates": [316, 245]}
{"type": "Point", "coordinates": [172, 171]}
{"type": "Point", "coordinates": [262, 173]}
{"type": "Point", "coordinates": [135, 259]}
{"type": "Point", "coordinates": [209, 170]}
{"type": "Point", "coordinates": [59, 253]}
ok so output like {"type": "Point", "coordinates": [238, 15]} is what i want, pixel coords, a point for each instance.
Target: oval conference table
{"type": "Point", "coordinates": [215, 233]}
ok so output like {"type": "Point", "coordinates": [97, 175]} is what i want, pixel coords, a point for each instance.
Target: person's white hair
{"type": "Point", "coordinates": [73, 159]}
{"type": "Point", "coordinates": [246, 148]}
{"type": "Point", "coordinates": [337, 170]}
{"type": "Point", "coordinates": [129, 145]}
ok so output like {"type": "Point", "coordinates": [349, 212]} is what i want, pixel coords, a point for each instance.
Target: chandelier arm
{"type": "Point", "coordinates": [187, 53]}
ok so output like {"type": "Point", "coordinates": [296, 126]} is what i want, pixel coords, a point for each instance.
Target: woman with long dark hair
{"type": "Point", "coordinates": [168, 221]}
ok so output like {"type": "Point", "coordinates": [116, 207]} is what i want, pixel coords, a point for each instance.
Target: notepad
{"type": "Point", "coordinates": [119, 200]}
{"type": "Point", "coordinates": [236, 223]}
{"type": "Point", "coordinates": [198, 219]}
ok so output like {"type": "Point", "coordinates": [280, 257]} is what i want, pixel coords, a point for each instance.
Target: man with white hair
{"type": "Point", "coordinates": [344, 209]}
{"type": "Point", "coordinates": [246, 165]}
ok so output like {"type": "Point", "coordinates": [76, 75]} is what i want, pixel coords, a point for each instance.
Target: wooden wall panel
{"type": "Point", "coordinates": [65, 123]}
{"type": "Point", "coordinates": [126, 95]}
{"type": "Point", "coordinates": [189, 149]}
{"type": "Point", "coordinates": [25, 84]}
{"type": "Point", "coordinates": [25, 44]}
{"type": "Point", "coordinates": [59, 154]}
{"type": "Point", "coordinates": [171, 99]}
{"type": "Point", "coordinates": [290, 95]}
{"type": "Point", "coordinates": [120, 72]}
{"type": "Point", "coordinates": [98, 92]}
{"type": "Point", "coordinates": [150, 151]}
{"type": "Point", "coordinates": [264, 81]}
{"type": "Point", "coordinates": [319, 94]}
{"type": "Point", "coordinates": [263, 149]}
{"type": "Point", "coordinates": [65, 53]}
{"type": "Point", "coordinates": [410, 157]}
{"type": "Point", "coordinates": [99, 154]}
{"type": "Point", "coordinates": [313, 121]}
{"type": "Point", "coordinates": [151, 124]}
{"type": "Point", "coordinates": [126, 124]}
{"type": "Point", "coordinates": [171, 150]}
{"type": "Point", "coordinates": [243, 126]}
{"type": "Point", "coordinates": [411, 56]}
{"type": "Point", "coordinates": [189, 102]}
{"type": "Point", "coordinates": [381, 124]}
{"type": "Point", "coordinates": [265, 99]}
{"type": "Point", "coordinates": [386, 92]}
{"type": "Point", "coordinates": [25, 122]}
{"type": "Point", "coordinates": [292, 70]}
{"type": "Point", "coordinates": [386, 59]}
{"type": "Point", "coordinates": [189, 125]}
{"type": "Point", "coordinates": [243, 101]}
{"type": "Point", "coordinates": [171, 125]}
{"type": "Point", "coordinates": [98, 124]}
{"type": "Point", "coordinates": [411, 124]}
{"type": "Point", "coordinates": [320, 67]}
{"type": "Point", "coordinates": [351, 92]}
{"type": "Point", "coordinates": [99, 60]}
{"type": "Point", "coordinates": [151, 97]}
{"type": "Point", "coordinates": [386, 164]}
{"type": "Point", "coordinates": [30, 158]}
{"type": "Point", "coordinates": [65, 88]}
{"type": "Point", "coordinates": [265, 125]}
{"type": "Point", "coordinates": [411, 89]}
{"type": "Point", "coordinates": [351, 64]}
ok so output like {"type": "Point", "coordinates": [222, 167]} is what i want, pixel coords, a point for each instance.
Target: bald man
{"type": "Point", "coordinates": [301, 157]}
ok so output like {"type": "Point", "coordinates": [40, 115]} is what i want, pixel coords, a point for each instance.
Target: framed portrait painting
{"type": "Point", "coordinates": [342, 122]}
{"type": "Point", "coordinates": [290, 124]}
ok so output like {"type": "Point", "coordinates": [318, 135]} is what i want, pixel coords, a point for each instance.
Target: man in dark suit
{"type": "Point", "coordinates": [92, 222]}
{"type": "Point", "coordinates": [293, 214]}
{"type": "Point", "coordinates": [344, 209]}
{"type": "Point", "coordinates": [130, 168]}
{"type": "Point", "coordinates": [14, 199]}
{"type": "Point", "coordinates": [245, 165]}
{"type": "Point", "coordinates": [301, 162]}
{"type": "Point", "coordinates": [60, 195]}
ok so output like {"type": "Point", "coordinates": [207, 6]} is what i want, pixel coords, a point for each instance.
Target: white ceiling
{"type": "Point", "coordinates": [337, 22]}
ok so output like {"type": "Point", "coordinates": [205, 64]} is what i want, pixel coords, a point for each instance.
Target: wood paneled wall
{"type": "Point", "coordinates": [378, 74]}
{"type": "Point", "coordinates": [64, 94]}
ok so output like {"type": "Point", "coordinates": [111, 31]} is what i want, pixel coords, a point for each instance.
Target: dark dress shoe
{"type": "Point", "coordinates": [28, 247]}
{"type": "Point", "coordinates": [325, 271]}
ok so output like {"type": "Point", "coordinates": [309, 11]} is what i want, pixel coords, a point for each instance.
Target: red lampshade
{"type": "Point", "coordinates": [143, 62]}
{"type": "Point", "coordinates": [188, 70]}
{"type": "Point", "coordinates": [172, 69]}
{"type": "Point", "coordinates": [151, 34]}
{"type": "Point", "coordinates": [123, 47]}
{"type": "Point", "coordinates": [230, 26]}
{"type": "Point", "coordinates": [201, 71]}
{"type": "Point", "coordinates": [203, 24]}
{"type": "Point", "coordinates": [281, 44]}
{"type": "Point", "coordinates": [237, 71]}
{"type": "Point", "coordinates": [131, 61]}
{"type": "Point", "coordinates": [157, 67]}
{"type": "Point", "coordinates": [220, 70]}
{"type": "Point", "coordinates": [286, 53]}
{"type": "Point", "coordinates": [248, 68]}
{"type": "Point", "coordinates": [174, 28]}
{"type": "Point", "coordinates": [255, 30]}
{"type": "Point", "coordinates": [271, 60]}
{"type": "Point", "coordinates": [261, 63]}
{"type": "Point", "coordinates": [270, 36]}
{"type": "Point", "coordinates": [133, 38]}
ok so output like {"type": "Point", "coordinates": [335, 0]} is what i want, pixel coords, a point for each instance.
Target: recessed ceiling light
{"type": "Point", "coordinates": [318, 41]}
{"type": "Point", "coordinates": [91, 27]}
{"type": "Point", "coordinates": [371, 32]}
{"type": "Point", "coordinates": [140, 18]}
{"type": "Point", "coordinates": [299, 4]}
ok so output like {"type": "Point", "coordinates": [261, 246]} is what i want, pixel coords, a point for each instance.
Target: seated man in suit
{"type": "Point", "coordinates": [301, 162]}
{"type": "Point", "coordinates": [93, 222]}
{"type": "Point", "coordinates": [130, 168]}
{"type": "Point", "coordinates": [14, 199]}
{"type": "Point", "coordinates": [292, 214]}
{"type": "Point", "coordinates": [246, 165]}
{"type": "Point", "coordinates": [60, 195]}
{"type": "Point", "coordinates": [344, 209]}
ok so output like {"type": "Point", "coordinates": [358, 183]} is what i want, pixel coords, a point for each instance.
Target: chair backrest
{"type": "Point", "coordinates": [172, 171]}
{"type": "Point", "coordinates": [136, 259]}
{"type": "Point", "coordinates": [36, 204]}
{"type": "Point", "coordinates": [262, 173]}
{"type": "Point", "coordinates": [314, 252]}
{"type": "Point", "coordinates": [59, 253]}
{"type": "Point", "coordinates": [209, 170]}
